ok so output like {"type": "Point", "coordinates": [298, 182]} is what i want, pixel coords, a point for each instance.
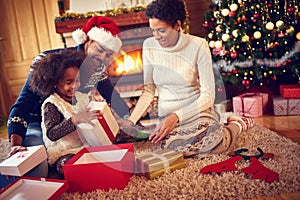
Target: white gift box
{"type": "Point", "coordinates": [103, 131]}
{"type": "Point", "coordinates": [28, 188]}
{"type": "Point", "coordinates": [23, 161]}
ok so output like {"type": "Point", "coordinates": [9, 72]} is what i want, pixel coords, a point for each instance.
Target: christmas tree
{"type": "Point", "coordinates": [254, 42]}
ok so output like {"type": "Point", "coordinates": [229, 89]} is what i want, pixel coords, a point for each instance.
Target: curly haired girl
{"type": "Point", "coordinates": [57, 75]}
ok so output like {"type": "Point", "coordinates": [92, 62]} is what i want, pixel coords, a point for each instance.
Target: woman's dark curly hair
{"type": "Point", "coordinates": [167, 10]}
{"type": "Point", "coordinates": [48, 70]}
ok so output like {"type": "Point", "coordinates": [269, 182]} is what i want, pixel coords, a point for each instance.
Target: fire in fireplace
{"type": "Point", "coordinates": [127, 63]}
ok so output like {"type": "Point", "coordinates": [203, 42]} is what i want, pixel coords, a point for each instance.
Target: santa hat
{"type": "Point", "coordinates": [101, 29]}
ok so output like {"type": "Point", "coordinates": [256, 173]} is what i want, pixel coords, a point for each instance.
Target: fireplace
{"type": "Point", "coordinates": [126, 71]}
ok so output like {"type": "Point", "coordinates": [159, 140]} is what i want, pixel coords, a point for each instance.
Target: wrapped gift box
{"type": "Point", "coordinates": [223, 106]}
{"type": "Point", "coordinates": [250, 104]}
{"type": "Point", "coordinates": [155, 164]}
{"type": "Point", "coordinates": [104, 130]}
{"type": "Point", "coordinates": [290, 91]}
{"type": "Point", "coordinates": [29, 188]}
{"type": "Point", "coordinates": [282, 106]}
{"type": "Point", "coordinates": [23, 161]}
{"type": "Point", "coordinates": [101, 167]}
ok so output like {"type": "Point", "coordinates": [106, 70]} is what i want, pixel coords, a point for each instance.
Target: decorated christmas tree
{"type": "Point", "coordinates": [254, 42]}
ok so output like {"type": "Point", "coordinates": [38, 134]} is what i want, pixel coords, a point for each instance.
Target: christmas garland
{"type": "Point", "coordinates": [227, 67]}
{"type": "Point", "coordinates": [114, 12]}
{"type": "Point", "coordinates": [108, 13]}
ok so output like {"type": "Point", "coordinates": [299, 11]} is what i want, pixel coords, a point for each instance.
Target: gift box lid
{"type": "Point", "coordinates": [29, 188]}
{"type": "Point", "coordinates": [23, 161]}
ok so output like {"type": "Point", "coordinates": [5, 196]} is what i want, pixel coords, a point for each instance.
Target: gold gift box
{"type": "Point", "coordinates": [157, 163]}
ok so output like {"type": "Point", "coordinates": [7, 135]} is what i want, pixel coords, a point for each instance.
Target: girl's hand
{"type": "Point", "coordinates": [164, 128]}
{"type": "Point", "coordinates": [86, 116]}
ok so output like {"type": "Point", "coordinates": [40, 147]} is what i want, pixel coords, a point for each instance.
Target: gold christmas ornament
{"type": "Point", "coordinates": [298, 36]}
{"type": "Point", "coordinates": [245, 38]}
{"type": "Point", "coordinates": [210, 35]}
{"type": "Point", "coordinates": [225, 37]}
{"type": "Point", "coordinates": [234, 7]}
{"type": "Point", "coordinates": [279, 23]}
{"type": "Point", "coordinates": [235, 33]}
{"type": "Point", "coordinates": [225, 12]}
{"type": "Point", "coordinates": [218, 44]}
{"type": "Point", "coordinates": [270, 26]}
{"type": "Point", "coordinates": [257, 35]}
{"type": "Point", "coordinates": [212, 44]}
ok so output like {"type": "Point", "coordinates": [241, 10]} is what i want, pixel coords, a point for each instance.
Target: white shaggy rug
{"type": "Point", "coordinates": [188, 183]}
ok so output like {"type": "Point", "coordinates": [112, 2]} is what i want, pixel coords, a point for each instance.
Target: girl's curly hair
{"type": "Point", "coordinates": [167, 10]}
{"type": "Point", "coordinates": [48, 70]}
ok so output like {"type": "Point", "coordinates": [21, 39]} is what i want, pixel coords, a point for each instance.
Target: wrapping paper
{"type": "Point", "coordinates": [155, 164]}
{"type": "Point", "coordinates": [283, 106]}
{"type": "Point", "coordinates": [290, 91]}
{"type": "Point", "coordinates": [250, 104]}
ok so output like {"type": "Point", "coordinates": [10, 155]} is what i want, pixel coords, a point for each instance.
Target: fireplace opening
{"type": "Point", "coordinates": [127, 63]}
{"type": "Point", "coordinates": [126, 73]}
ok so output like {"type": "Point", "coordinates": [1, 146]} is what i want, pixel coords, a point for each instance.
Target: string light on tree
{"type": "Point", "coordinates": [261, 38]}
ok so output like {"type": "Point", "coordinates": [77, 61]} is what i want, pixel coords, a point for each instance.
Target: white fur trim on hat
{"type": "Point", "coordinates": [105, 38]}
{"type": "Point", "coordinates": [79, 36]}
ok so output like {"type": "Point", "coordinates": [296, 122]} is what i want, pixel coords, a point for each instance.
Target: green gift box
{"type": "Point", "coordinates": [155, 164]}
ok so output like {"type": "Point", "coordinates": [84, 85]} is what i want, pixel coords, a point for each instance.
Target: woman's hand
{"type": "Point", "coordinates": [164, 128]}
{"type": "Point", "coordinates": [85, 116]}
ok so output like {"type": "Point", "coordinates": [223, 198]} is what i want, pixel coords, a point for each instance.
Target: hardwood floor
{"type": "Point", "coordinates": [287, 126]}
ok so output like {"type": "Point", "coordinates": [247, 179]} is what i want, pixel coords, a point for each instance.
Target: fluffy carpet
{"type": "Point", "coordinates": [188, 183]}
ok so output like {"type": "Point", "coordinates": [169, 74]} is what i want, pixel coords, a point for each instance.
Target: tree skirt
{"type": "Point", "coordinates": [188, 183]}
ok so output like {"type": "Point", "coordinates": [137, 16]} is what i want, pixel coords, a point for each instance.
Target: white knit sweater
{"type": "Point", "coordinates": [183, 76]}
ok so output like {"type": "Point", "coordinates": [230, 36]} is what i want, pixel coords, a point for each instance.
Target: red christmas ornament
{"type": "Point", "coordinates": [281, 34]}
{"type": "Point", "coordinates": [233, 54]}
{"type": "Point", "coordinates": [274, 78]}
{"type": "Point", "coordinates": [256, 15]}
{"type": "Point", "coordinates": [205, 24]}
{"type": "Point", "coordinates": [291, 9]}
{"type": "Point", "coordinates": [220, 89]}
{"type": "Point", "coordinates": [245, 82]}
{"type": "Point", "coordinates": [232, 14]}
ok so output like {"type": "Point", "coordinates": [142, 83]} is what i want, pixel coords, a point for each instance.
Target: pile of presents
{"type": "Point", "coordinates": [255, 104]}
{"type": "Point", "coordinates": [100, 164]}
{"type": "Point", "coordinates": [97, 167]}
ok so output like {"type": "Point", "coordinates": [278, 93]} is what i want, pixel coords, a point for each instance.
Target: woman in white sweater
{"type": "Point", "coordinates": [179, 67]}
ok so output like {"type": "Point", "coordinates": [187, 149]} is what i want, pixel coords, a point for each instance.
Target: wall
{"type": "Point", "coordinates": [27, 28]}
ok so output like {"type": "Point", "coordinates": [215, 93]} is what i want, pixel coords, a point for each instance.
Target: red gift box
{"type": "Point", "coordinates": [104, 130]}
{"type": "Point", "coordinates": [282, 106]}
{"type": "Point", "coordinates": [34, 188]}
{"type": "Point", "coordinates": [250, 104]}
{"type": "Point", "coordinates": [290, 91]}
{"type": "Point", "coordinates": [100, 167]}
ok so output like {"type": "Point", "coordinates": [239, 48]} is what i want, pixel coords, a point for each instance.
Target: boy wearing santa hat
{"type": "Point", "coordinates": [99, 39]}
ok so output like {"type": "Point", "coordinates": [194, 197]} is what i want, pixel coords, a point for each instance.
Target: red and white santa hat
{"type": "Point", "coordinates": [101, 29]}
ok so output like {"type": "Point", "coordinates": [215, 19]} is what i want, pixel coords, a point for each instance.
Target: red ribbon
{"type": "Point", "coordinates": [22, 154]}
{"type": "Point", "coordinates": [106, 128]}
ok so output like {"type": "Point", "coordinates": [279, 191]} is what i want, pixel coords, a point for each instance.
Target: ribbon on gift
{"type": "Point", "coordinates": [289, 109]}
{"type": "Point", "coordinates": [246, 95]}
{"type": "Point", "coordinates": [106, 127]}
{"type": "Point", "coordinates": [22, 154]}
{"type": "Point", "coordinates": [163, 158]}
